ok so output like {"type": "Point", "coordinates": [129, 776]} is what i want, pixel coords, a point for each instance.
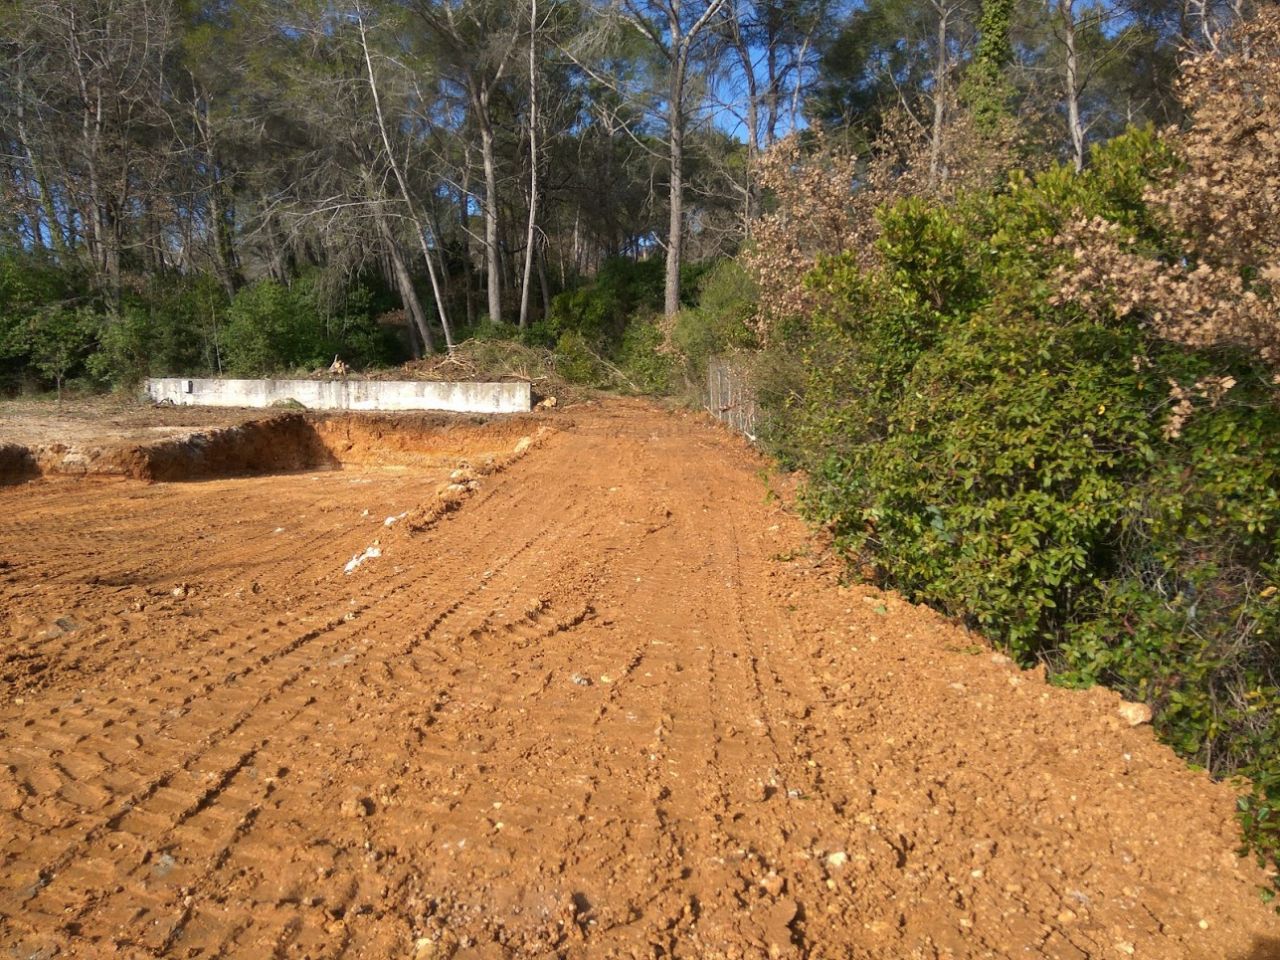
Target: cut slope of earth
{"type": "Point", "coordinates": [609, 706]}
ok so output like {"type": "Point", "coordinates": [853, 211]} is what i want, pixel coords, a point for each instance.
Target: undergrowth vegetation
{"type": "Point", "coordinates": [54, 328]}
{"type": "Point", "coordinates": [990, 447]}
{"type": "Point", "coordinates": [605, 331]}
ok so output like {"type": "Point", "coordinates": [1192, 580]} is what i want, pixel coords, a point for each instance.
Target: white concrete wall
{"type": "Point", "coordinates": [344, 394]}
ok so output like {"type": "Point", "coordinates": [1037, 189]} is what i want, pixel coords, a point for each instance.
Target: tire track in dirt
{"type": "Point", "coordinates": [482, 622]}
{"type": "Point", "coordinates": [280, 680]}
{"type": "Point", "coordinates": [438, 623]}
{"type": "Point", "coordinates": [317, 564]}
{"type": "Point", "coordinates": [218, 735]}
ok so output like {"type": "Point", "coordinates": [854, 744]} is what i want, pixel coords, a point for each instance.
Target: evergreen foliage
{"type": "Point", "coordinates": [998, 453]}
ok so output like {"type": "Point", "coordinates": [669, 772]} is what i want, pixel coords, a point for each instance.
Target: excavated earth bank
{"type": "Point", "coordinates": [271, 443]}
{"type": "Point", "coordinates": [586, 694]}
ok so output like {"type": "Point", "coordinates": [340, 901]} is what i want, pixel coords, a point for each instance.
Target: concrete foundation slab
{"type": "Point", "coordinates": [344, 394]}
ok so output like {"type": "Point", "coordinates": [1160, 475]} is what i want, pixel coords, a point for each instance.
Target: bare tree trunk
{"type": "Point", "coordinates": [492, 253]}
{"type": "Point", "coordinates": [464, 221]}
{"type": "Point", "coordinates": [105, 260]}
{"type": "Point", "coordinates": [751, 199]}
{"type": "Point", "coordinates": [223, 241]}
{"type": "Point", "coordinates": [415, 348]}
{"type": "Point", "coordinates": [542, 281]}
{"type": "Point", "coordinates": [404, 282]}
{"type": "Point", "coordinates": [443, 264]}
{"type": "Point", "coordinates": [675, 227]}
{"type": "Point", "coordinates": [1075, 125]}
{"type": "Point", "coordinates": [773, 88]}
{"type": "Point", "coordinates": [936, 140]}
{"type": "Point", "coordinates": [419, 229]}
{"type": "Point", "coordinates": [531, 232]}
{"type": "Point", "coordinates": [681, 43]}
{"type": "Point", "coordinates": [224, 254]}
{"type": "Point", "coordinates": [577, 244]}
{"type": "Point", "coordinates": [57, 240]}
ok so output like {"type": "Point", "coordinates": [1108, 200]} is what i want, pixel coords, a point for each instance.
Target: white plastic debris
{"type": "Point", "coordinates": [370, 553]}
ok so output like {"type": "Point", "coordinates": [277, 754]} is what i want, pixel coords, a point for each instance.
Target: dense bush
{"type": "Point", "coordinates": [598, 311]}
{"type": "Point", "coordinates": [984, 446]}
{"type": "Point", "coordinates": [271, 326]}
{"type": "Point", "coordinates": [645, 365]}
{"type": "Point", "coordinates": [721, 321]}
{"type": "Point", "coordinates": [605, 332]}
{"type": "Point", "coordinates": [54, 327]}
{"type": "Point", "coordinates": [577, 362]}
{"type": "Point", "coordinates": [169, 327]}
{"type": "Point", "coordinates": [36, 298]}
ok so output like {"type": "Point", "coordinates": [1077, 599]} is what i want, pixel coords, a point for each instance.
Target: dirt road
{"type": "Point", "coordinates": [609, 706]}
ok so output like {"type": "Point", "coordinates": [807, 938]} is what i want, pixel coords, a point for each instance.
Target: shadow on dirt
{"type": "Point", "coordinates": [1264, 948]}
{"type": "Point", "coordinates": [279, 444]}
{"type": "Point", "coordinates": [17, 465]}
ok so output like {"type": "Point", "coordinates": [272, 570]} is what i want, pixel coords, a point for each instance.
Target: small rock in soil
{"type": "Point", "coordinates": [1134, 714]}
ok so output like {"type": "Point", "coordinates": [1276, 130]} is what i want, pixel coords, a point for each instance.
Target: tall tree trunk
{"type": "Point", "coordinates": [936, 141]}
{"type": "Point", "coordinates": [224, 251]}
{"type": "Point", "coordinates": [542, 281]}
{"type": "Point", "coordinates": [464, 221]}
{"type": "Point", "coordinates": [493, 254]}
{"type": "Point", "coordinates": [442, 262]}
{"type": "Point", "coordinates": [531, 232]}
{"type": "Point", "coordinates": [1075, 125]}
{"type": "Point", "coordinates": [404, 283]}
{"type": "Point", "coordinates": [773, 86]}
{"type": "Point", "coordinates": [226, 265]}
{"type": "Point", "coordinates": [681, 42]}
{"type": "Point", "coordinates": [577, 245]}
{"type": "Point", "coordinates": [751, 198]}
{"type": "Point", "coordinates": [57, 239]}
{"type": "Point", "coordinates": [675, 226]}
{"type": "Point", "coordinates": [405, 195]}
{"type": "Point", "coordinates": [415, 347]}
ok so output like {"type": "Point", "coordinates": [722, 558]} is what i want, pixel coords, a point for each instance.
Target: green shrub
{"type": "Point", "coordinates": [727, 301]}
{"type": "Point", "coordinates": [599, 310]}
{"type": "Point", "coordinates": [1000, 475]}
{"type": "Point", "coordinates": [648, 368]}
{"type": "Point", "coordinates": [576, 362]}
{"type": "Point", "coordinates": [271, 327]}
{"type": "Point", "coordinates": [1004, 457]}
{"type": "Point", "coordinates": [353, 332]}
{"type": "Point", "coordinates": [31, 284]}
{"type": "Point", "coordinates": [183, 324]}
{"type": "Point", "coordinates": [170, 327]}
{"type": "Point", "coordinates": [59, 339]}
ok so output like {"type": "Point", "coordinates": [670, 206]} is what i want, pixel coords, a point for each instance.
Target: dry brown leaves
{"type": "Point", "coordinates": [1225, 202]}
{"type": "Point", "coordinates": [826, 197]}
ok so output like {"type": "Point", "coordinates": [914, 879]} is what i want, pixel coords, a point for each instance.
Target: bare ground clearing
{"type": "Point", "coordinates": [610, 705]}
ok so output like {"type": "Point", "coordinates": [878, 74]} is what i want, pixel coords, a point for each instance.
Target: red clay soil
{"type": "Point", "coordinates": [164, 442]}
{"type": "Point", "coordinates": [609, 706]}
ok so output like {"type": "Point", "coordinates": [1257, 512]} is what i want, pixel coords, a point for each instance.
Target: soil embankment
{"type": "Point", "coordinates": [242, 443]}
{"type": "Point", "coordinates": [609, 706]}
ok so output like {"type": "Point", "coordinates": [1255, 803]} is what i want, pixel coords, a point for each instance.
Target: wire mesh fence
{"type": "Point", "coordinates": [730, 394]}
